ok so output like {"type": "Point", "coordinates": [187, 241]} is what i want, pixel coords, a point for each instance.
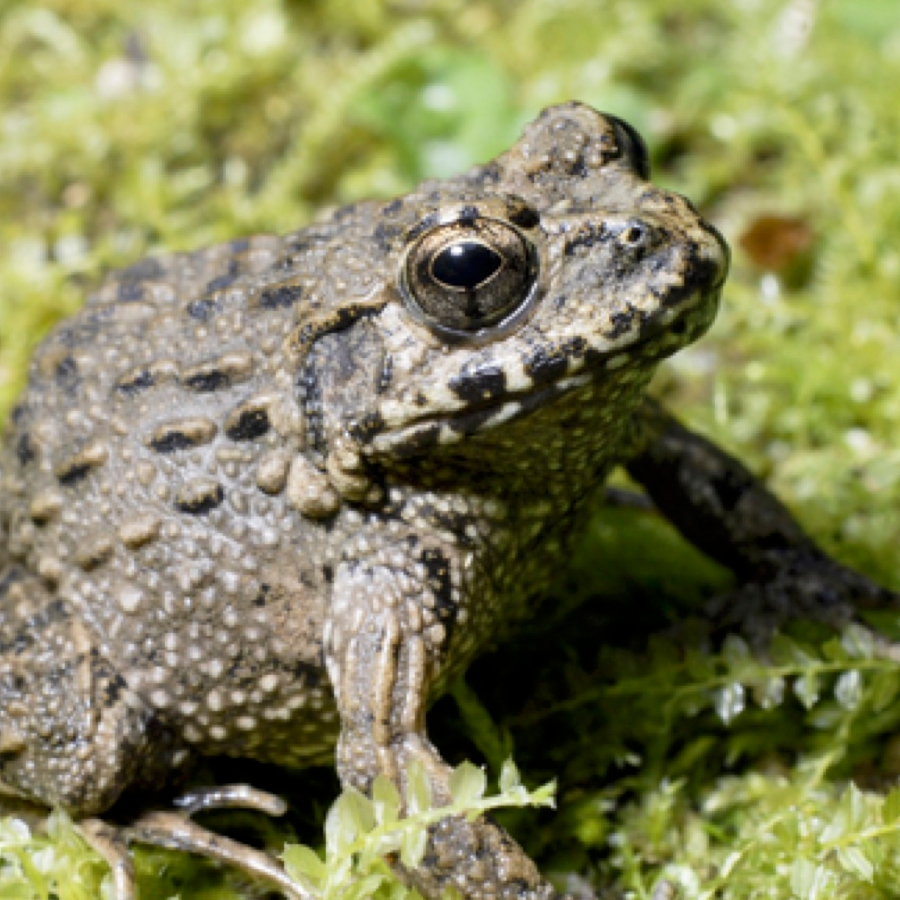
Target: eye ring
{"type": "Point", "coordinates": [469, 276]}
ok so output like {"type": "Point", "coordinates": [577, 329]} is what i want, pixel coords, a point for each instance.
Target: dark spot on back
{"type": "Point", "coordinates": [204, 309]}
{"type": "Point", "coordinates": [66, 373]}
{"type": "Point", "coordinates": [207, 380]}
{"type": "Point", "coordinates": [198, 502]}
{"type": "Point", "coordinates": [144, 270]}
{"type": "Point", "coordinates": [170, 441]}
{"type": "Point", "coordinates": [25, 449]}
{"type": "Point", "coordinates": [136, 382]}
{"type": "Point", "coordinates": [130, 291]}
{"type": "Point", "coordinates": [250, 424]}
{"type": "Point", "coordinates": [385, 234]}
{"type": "Point", "coordinates": [281, 297]}
{"type": "Point", "coordinates": [345, 212]}
{"type": "Point", "coordinates": [74, 473]}
{"type": "Point", "coordinates": [217, 284]}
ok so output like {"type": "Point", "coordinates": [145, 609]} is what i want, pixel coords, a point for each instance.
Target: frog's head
{"type": "Point", "coordinates": [556, 266]}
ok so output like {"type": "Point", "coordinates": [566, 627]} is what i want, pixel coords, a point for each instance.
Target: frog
{"type": "Point", "coordinates": [268, 498]}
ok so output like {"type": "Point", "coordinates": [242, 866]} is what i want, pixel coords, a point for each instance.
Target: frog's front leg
{"type": "Point", "coordinates": [717, 504]}
{"type": "Point", "coordinates": [383, 651]}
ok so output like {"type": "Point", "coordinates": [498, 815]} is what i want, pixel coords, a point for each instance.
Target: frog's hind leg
{"type": "Point", "coordinates": [718, 505]}
{"type": "Point", "coordinates": [175, 830]}
{"type": "Point", "coordinates": [72, 734]}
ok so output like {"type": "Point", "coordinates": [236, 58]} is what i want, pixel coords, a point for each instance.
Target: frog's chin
{"type": "Point", "coordinates": [444, 430]}
{"type": "Point", "coordinates": [449, 427]}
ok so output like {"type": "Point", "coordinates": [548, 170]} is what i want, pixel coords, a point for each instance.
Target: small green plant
{"type": "Point", "coordinates": [361, 832]}
{"type": "Point", "coordinates": [57, 865]}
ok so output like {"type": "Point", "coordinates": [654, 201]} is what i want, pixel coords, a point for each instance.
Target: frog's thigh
{"type": "Point", "coordinates": [713, 500]}
{"type": "Point", "coordinates": [71, 733]}
{"type": "Point", "coordinates": [382, 659]}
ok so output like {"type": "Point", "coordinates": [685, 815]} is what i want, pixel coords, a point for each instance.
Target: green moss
{"type": "Point", "coordinates": [128, 128]}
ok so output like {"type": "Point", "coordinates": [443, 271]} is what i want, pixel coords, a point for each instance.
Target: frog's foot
{"type": "Point", "coordinates": [805, 584]}
{"type": "Point", "coordinates": [177, 831]}
{"type": "Point", "coordinates": [110, 843]}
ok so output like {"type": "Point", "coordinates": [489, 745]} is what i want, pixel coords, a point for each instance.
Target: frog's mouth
{"type": "Point", "coordinates": [653, 342]}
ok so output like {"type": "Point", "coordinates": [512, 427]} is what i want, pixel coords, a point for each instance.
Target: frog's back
{"type": "Point", "coordinates": [143, 490]}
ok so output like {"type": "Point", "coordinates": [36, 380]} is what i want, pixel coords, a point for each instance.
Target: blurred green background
{"type": "Point", "coordinates": [128, 128]}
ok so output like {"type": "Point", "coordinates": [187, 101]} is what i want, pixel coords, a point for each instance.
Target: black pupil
{"type": "Point", "coordinates": [465, 265]}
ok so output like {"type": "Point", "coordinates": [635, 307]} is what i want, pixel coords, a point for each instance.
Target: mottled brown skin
{"type": "Point", "coordinates": [265, 498]}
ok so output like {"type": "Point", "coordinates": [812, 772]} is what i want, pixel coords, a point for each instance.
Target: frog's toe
{"type": "Point", "coordinates": [111, 844]}
{"type": "Point", "coordinates": [177, 831]}
{"type": "Point", "coordinates": [806, 587]}
{"type": "Point", "coordinates": [231, 796]}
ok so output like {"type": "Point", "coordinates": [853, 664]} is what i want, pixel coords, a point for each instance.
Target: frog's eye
{"type": "Point", "coordinates": [632, 145]}
{"type": "Point", "coordinates": [469, 274]}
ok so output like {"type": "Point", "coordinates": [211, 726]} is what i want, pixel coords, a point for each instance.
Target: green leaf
{"type": "Point", "coordinates": [858, 642]}
{"type": "Point", "coordinates": [545, 795]}
{"type": "Point", "coordinates": [509, 777]}
{"type": "Point", "coordinates": [854, 860]}
{"type": "Point", "coordinates": [884, 688]}
{"type": "Point", "coordinates": [412, 846]}
{"type": "Point", "coordinates": [418, 789]}
{"type": "Point", "coordinates": [810, 881]}
{"type": "Point", "coordinates": [361, 809]}
{"type": "Point", "coordinates": [364, 888]}
{"type": "Point", "coordinates": [803, 874]}
{"type": "Point", "coordinates": [467, 784]}
{"type": "Point", "coordinates": [806, 689]}
{"type": "Point", "coordinates": [890, 809]}
{"type": "Point", "coordinates": [303, 864]}
{"type": "Point", "coordinates": [735, 650]}
{"type": "Point", "coordinates": [848, 689]}
{"type": "Point", "coordinates": [785, 651]}
{"type": "Point", "coordinates": [386, 800]}
{"type": "Point", "coordinates": [342, 824]}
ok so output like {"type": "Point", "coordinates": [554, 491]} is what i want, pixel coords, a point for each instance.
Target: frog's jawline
{"type": "Point", "coordinates": [445, 429]}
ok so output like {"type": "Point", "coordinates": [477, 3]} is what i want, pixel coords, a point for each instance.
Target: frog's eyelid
{"type": "Point", "coordinates": [632, 145]}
